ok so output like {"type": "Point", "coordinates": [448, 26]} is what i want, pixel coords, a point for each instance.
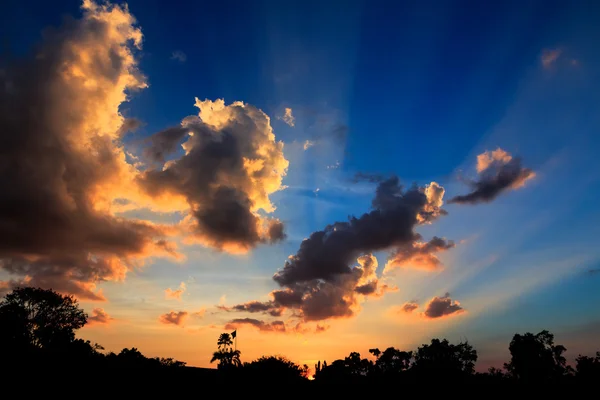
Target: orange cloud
{"type": "Point", "coordinates": [200, 313]}
{"type": "Point", "coordinates": [99, 316]}
{"type": "Point", "coordinates": [175, 318]}
{"type": "Point", "coordinates": [442, 306]}
{"type": "Point", "coordinates": [175, 294]}
{"type": "Point", "coordinates": [419, 255]}
{"type": "Point", "coordinates": [409, 307]}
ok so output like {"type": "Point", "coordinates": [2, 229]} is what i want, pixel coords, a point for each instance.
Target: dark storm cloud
{"type": "Point", "coordinates": [230, 166]}
{"type": "Point", "coordinates": [60, 153]}
{"type": "Point", "coordinates": [498, 172]}
{"type": "Point", "coordinates": [442, 306]}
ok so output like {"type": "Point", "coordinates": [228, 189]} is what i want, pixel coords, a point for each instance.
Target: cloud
{"type": "Point", "coordinates": [99, 316]}
{"type": "Point", "coordinates": [419, 254]}
{"type": "Point", "coordinates": [308, 144]}
{"type": "Point", "coordinates": [318, 282]}
{"type": "Point", "coordinates": [409, 307]}
{"type": "Point", "coordinates": [175, 318]}
{"type": "Point", "coordinates": [255, 307]}
{"type": "Point", "coordinates": [275, 326]}
{"type": "Point", "coordinates": [5, 287]}
{"type": "Point", "coordinates": [175, 294]}
{"type": "Point", "coordinates": [367, 177]}
{"type": "Point", "coordinates": [200, 313]}
{"type": "Point", "coordinates": [179, 56]}
{"type": "Point", "coordinates": [592, 271]}
{"type": "Point", "coordinates": [230, 165]}
{"type": "Point", "coordinates": [498, 172]}
{"type": "Point", "coordinates": [288, 118]}
{"type": "Point", "coordinates": [549, 57]}
{"type": "Point", "coordinates": [63, 163]}
{"type": "Point", "coordinates": [442, 306]}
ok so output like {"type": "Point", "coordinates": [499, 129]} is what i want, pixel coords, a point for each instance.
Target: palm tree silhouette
{"type": "Point", "coordinates": [225, 355]}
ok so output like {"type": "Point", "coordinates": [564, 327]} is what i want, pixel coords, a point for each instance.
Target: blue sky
{"type": "Point", "coordinates": [415, 89]}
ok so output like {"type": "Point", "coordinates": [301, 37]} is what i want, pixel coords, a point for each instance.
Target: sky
{"type": "Point", "coordinates": [322, 177]}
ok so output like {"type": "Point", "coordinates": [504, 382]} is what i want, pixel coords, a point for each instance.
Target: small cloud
{"type": "Point", "coordinates": [334, 166]}
{"type": "Point", "coordinates": [99, 316]}
{"type": "Point", "coordinates": [308, 144]}
{"type": "Point", "coordinates": [288, 117]}
{"type": "Point", "coordinates": [175, 318]}
{"type": "Point", "coordinates": [316, 191]}
{"type": "Point", "coordinates": [179, 56]}
{"type": "Point", "coordinates": [200, 313]}
{"type": "Point", "coordinates": [175, 294]}
{"type": "Point", "coordinates": [222, 300]}
{"type": "Point", "coordinates": [549, 57]}
{"type": "Point", "coordinates": [593, 271]}
{"type": "Point", "coordinates": [409, 307]}
{"type": "Point", "coordinates": [367, 177]}
{"type": "Point", "coordinates": [497, 172]}
{"type": "Point", "coordinates": [442, 306]}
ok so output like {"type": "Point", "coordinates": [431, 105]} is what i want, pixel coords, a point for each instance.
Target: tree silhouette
{"type": "Point", "coordinates": [536, 358]}
{"type": "Point", "coordinates": [588, 368]}
{"type": "Point", "coordinates": [376, 352]}
{"type": "Point", "coordinates": [444, 360]}
{"type": "Point", "coordinates": [393, 361]}
{"type": "Point", "coordinates": [275, 368]}
{"type": "Point", "coordinates": [40, 318]}
{"type": "Point", "coordinates": [225, 355]}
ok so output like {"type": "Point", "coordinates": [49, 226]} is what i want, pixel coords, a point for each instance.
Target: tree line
{"type": "Point", "coordinates": [37, 333]}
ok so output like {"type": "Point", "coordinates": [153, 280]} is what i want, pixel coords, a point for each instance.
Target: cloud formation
{"type": "Point", "coordinates": [288, 117]}
{"type": "Point", "coordinates": [442, 306]}
{"type": "Point", "coordinates": [549, 57]}
{"type": "Point", "coordinates": [308, 144]}
{"type": "Point", "coordinates": [179, 56]}
{"type": "Point", "coordinates": [419, 254]}
{"type": "Point", "coordinates": [274, 326]}
{"type": "Point", "coordinates": [409, 307]}
{"type": "Point", "coordinates": [99, 316]}
{"type": "Point", "coordinates": [200, 313]}
{"type": "Point", "coordinates": [229, 166]}
{"type": "Point", "coordinates": [174, 318]}
{"type": "Point", "coordinates": [498, 172]}
{"type": "Point", "coordinates": [175, 294]}
{"type": "Point", "coordinates": [318, 282]}
{"type": "Point", "coordinates": [62, 160]}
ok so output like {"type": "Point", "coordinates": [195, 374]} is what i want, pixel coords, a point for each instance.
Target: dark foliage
{"type": "Point", "coordinates": [37, 340]}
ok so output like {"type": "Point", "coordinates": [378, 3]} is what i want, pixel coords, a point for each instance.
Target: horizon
{"type": "Point", "coordinates": [319, 179]}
